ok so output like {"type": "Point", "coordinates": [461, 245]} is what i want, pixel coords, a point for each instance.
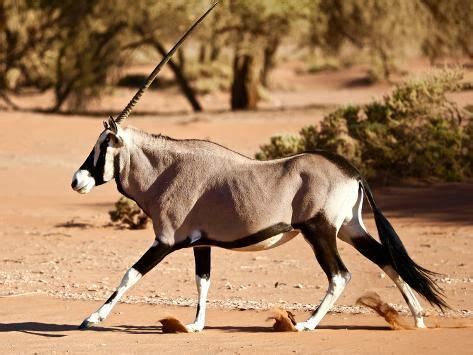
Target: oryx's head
{"type": "Point", "coordinates": [99, 167]}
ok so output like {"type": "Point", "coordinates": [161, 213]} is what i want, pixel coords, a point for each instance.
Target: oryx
{"type": "Point", "coordinates": [200, 194]}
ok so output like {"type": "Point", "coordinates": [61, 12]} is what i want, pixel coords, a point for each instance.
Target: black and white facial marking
{"type": "Point", "coordinates": [99, 166]}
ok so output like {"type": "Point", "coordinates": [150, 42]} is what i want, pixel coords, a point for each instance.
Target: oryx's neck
{"type": "Point", "coordinates": [140, 165]}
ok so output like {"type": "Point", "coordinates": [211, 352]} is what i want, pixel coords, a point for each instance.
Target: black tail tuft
{"type": "Point", "coordinates": [419, 278]}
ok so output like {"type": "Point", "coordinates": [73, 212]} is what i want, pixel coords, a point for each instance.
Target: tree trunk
{"type": "Point", "coordinates": [61, 94]}
{"type": "Point", "coordinates": [245, 84]}
{"type": "Point", "coordinates": [182, 59]}
{"type": "Point", "coordinates": [202, 53]}
{"type": "Point", "coordinates": [215, 46]}
{"type": "Point", "coordinates": [10, 104]}
{"type": "Point", "coordinates": [268, 60]}
{"type": "Point", "coordinates": [180, 78]}
{"type": "Point", "coordinates": [214, 52]}
{"type": "Point", "coordinates": [386, 64]}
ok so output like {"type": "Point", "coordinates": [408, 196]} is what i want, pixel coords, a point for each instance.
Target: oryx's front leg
{"type": "Point", "coordinates": [202, 280]}
{"type": "Point", "coordinates": [148, 261]}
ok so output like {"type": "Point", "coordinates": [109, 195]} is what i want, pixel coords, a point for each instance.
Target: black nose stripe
{"type": "Point", "coordinates": [74, 183]}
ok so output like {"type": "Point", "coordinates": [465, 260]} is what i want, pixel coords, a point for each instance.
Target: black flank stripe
{"type": "Point", "coordinates": [252, 239]}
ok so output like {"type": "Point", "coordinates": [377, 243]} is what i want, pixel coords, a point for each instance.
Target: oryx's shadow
{"type": "Point", "coordinates": [353, 327]}
{"type": "Point", "coordinates": [53, 330]}
{"type": "Point", "coordinates": [269, 329]}
{"type": "Point", "coordinates": [44, 329]}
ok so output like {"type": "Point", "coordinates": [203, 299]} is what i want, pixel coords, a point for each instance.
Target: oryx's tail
{"type": "Point", "coordinates": [420, 279]}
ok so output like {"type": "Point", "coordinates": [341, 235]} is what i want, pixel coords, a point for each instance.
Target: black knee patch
{"type": "Point", "coordinates": [317, 225]}
{"type": "Point", "coordinates": [322, 235]}
{"type": "Point", "coordinates": [372, 250]}
{"type": "Point", "coordinates": [152, 257]}
{"type": "Point", "coordinates": [202, 259]}
{"type": "Point", "coordinates": [110, 299]}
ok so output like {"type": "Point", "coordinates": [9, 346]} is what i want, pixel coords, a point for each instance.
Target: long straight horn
{"type": "Point", "coordinates": [126, 112]}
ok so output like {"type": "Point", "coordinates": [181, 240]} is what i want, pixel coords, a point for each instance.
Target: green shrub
{"type": "Point", "coordinates": [415, 132]}
{"type": "Point", "coordinates": [467, 149]}
{"type": "Point", "coordinates": [319, 66]}
{"type": "Point", "coordinates": [209, 77]}
{"type": "Point", "coordinates": [128, 214]}
{"type": "Point", "coordinates": [280, 146]}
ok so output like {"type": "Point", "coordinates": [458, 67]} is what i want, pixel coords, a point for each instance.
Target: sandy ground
{"type": "Point", "coordinates": [59, 260]}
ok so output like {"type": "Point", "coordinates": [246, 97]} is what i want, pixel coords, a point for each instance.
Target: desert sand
{"type": "Point", "coordinates": [60, 258]}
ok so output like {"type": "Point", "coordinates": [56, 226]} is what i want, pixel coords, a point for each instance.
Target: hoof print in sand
{"type": "Point", "coordinates": [173, 325]}
{"type": "Point", "coordinates": [373, 301]}
{"type": "Point", "coordinates": [284, 321]}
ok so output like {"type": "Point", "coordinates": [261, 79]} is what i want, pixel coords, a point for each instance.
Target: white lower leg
{"type": "Point", "coordinates": [130, 278]}
{"type": "Point", "coordinates": [411, 299]}
{"type": "Point", "coordinates": [336, 286]}
{"type": "Point", "coordinates": [203, 286]}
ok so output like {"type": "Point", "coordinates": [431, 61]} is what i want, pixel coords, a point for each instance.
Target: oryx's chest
{"type": "Point", "coordinates": [270, 242]}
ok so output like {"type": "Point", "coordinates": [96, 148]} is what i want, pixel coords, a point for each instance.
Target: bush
{"type": "Point", "coordinates": [415, 132]}
{"type": "Point", "coordinates": [280, 146]}
{"type": "Point", "coordinates": [467, 146]}
{"type": "Point", "coordinates": [128, 214]}
{"type": "Point", "coordinates": [209, 77]}
{"type": "Point", "coordinates": [135, 81]}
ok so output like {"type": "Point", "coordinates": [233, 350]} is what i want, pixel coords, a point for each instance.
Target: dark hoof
{"type": "Point", "coordinates": [85, 325]}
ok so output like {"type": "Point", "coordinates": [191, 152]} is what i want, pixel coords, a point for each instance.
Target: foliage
{"type": "Point", "coordinates": [387, 31]}
{"type": "Point", "coordinates": [414, 132]}
{"type": "Point", "coordinates": [78, 48]}
{"type": "Point", "coordinates": [88, 50]}
{"type": "Point", "coordinates": [467, 148]}
{"type": "Point", "coordinates": [380, 30]}
{"type": "Point", "coordinates": [25, 32]}
{"type": "Point", "coordinates": [449, 25]}
{"type": "Point", "coordinates": [128, 214]}
{"type": "Point", "coordinates": [209, 76]}
{"type": "Point", "coordinates": [280, 146]}
{"type": "Point", "coordinates": [317, 66]}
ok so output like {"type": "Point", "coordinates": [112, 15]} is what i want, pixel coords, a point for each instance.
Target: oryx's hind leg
{"type": "Point", "coordinates": [322, 237]}
{"type": "Point", "coordinates": [148, 261]}
{"type": "Point", "coordinates": [202, 280]}
{"type": "Point", "coordinates": [354, 233]}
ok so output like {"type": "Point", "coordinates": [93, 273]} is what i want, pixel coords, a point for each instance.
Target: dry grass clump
{"type": "Point", "coordinates": [128, 214]}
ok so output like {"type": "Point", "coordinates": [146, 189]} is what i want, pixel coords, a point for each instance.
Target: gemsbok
{"type": "Point", "coordinates": [200, 194]}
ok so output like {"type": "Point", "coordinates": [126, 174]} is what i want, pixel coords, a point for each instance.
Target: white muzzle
{"type": "Point", "coordinates": [82, 181]}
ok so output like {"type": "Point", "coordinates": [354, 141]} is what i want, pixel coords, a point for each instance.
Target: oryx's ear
{"type": "Point", "coordinates": [112, 127]}
{"type": "Point", "coordinates": [116, 140]}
